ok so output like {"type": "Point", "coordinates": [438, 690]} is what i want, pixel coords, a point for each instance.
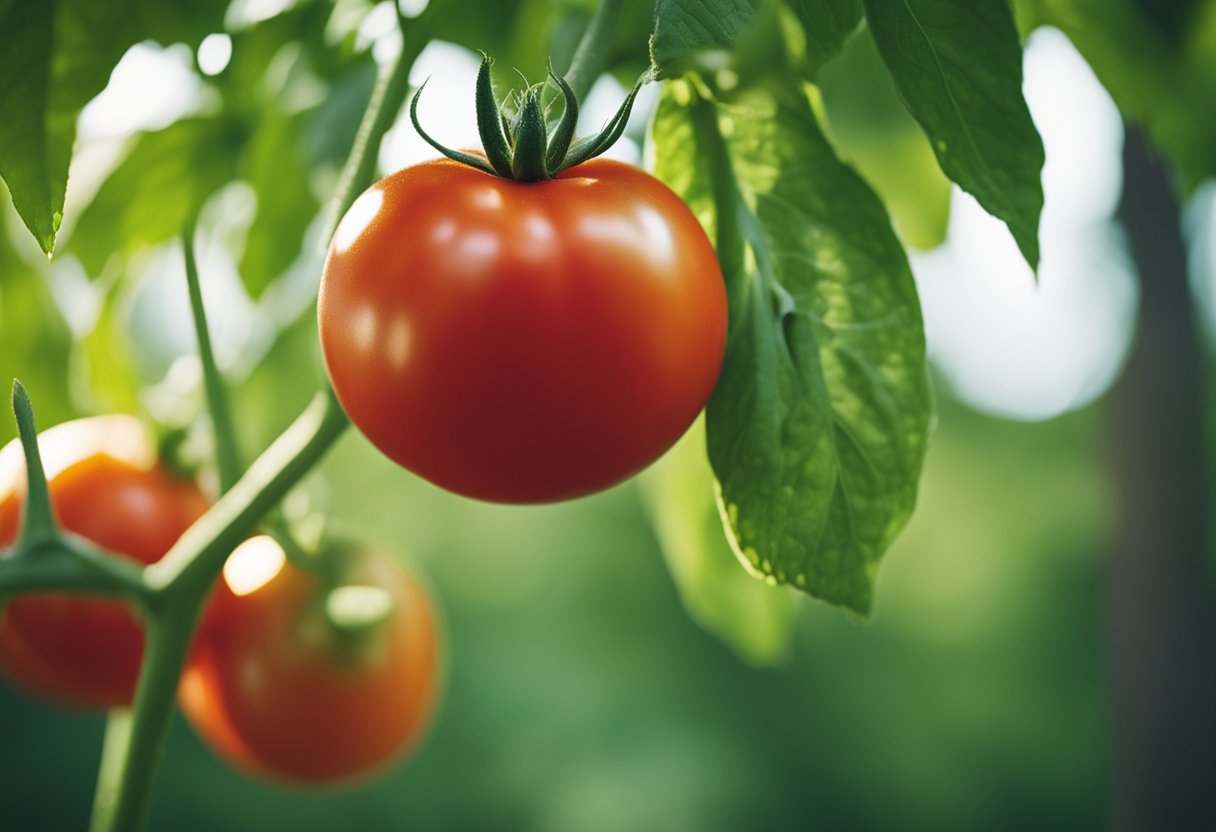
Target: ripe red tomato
{"type": "Point", "coordinates": [105, 485]}
{"type": "Point", "coordinates": [522, 342]}
{"type": "Point", "coordinates": [275, 688]}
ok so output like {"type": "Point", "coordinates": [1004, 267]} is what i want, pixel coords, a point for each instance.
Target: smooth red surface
{"type": "Point", "coordinates": [522, 342]}
{"type": "Point", "coordinates": [274, 691]}
{"type": "Point", "coordinates": [77, 650]}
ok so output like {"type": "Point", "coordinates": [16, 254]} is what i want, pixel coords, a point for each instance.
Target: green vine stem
{"type": "Point", "coordinates": [227, 449]}
{"type": "Point", "coordinates": [70, 564]}
{"type": "Point", "coordinates": [132, 754]}
{"type": "Point", "coordinates": [191, 565]}
{"type": "Point", "coordinates": [38, 519]}
{"type": "Point", "coordinates": [45, 558]}
{"type": "Point", "coordinates": [179, 583]}
{"type": "Point", "coordinates": [109, 775]}
{"type": "Point", "coordinates": [388, 97]}
{"type": "Point", "coordinates": [594, 49]}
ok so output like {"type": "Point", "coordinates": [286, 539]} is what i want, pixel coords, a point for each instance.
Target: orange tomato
{"type": "Point", "coordinates": [278, 691]}
{"type": "Point", "coordinates": [106, 485]}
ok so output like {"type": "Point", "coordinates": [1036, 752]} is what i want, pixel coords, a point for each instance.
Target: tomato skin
{"type": "Point", "coordinates": [522, 342]}
{"type": "Point", "coordinates": [105, 485]}
{"type": "Point", "coordinates": [273, 690]}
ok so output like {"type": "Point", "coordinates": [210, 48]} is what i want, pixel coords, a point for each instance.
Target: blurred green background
{"type": "Point", "coordinates": [582, 693]}
{"type": "Point", "coordinates": [580, 696]}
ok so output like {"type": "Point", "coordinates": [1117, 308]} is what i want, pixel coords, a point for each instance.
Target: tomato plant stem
{"type": "Point", "coordinates": [183, 577]}
{"type": "Point", "coordinates": [591, 56]}
{"type": "Point", "coordinates": [38, 522]}
{"type": "Point", "coordinates": [227, 449]}
{"type": "Point", "coordinates": [194, 561]}
{"type": "Point", "coordinates": [179, 585]}
{"type": "Point", "coordinates": [113, 756]}
{"type": "Point", "coordinates": [44, 558]}
{"type": "Point", "coordinates": [122, 801]}
{"type": "Point", "coordinates": [388, 97]}
{"type": "Point", "coordinates": [70, 564]}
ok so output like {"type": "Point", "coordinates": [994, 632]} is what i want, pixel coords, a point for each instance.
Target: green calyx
{"type": "Point", "coordinates": [516, 137]}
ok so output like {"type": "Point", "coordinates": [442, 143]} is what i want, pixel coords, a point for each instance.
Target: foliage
{"type": "Point", "coordinates": [817, 432]}
{"type": "Point", "coordinates": [1157, 60]}
{"type": "Point", "coordinates": [818, 429]}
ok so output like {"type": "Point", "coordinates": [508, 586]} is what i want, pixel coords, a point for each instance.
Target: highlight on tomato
{"type": "Point", "coordinates": [307, 679]}
{"type": "Point", "coordinates": [526, 326]}
{"type": "Point", "coordinates": [107, 485]}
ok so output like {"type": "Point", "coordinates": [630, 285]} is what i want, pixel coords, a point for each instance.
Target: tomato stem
{"type": "Point", "coordinates": [387, 99]}
{"type": "Point", "coordinates": [44, 558]}
{"type": "Point", "coordinates": [515, 134]}
{"type": "Point", "coordinates": [528, 159]}
{"type": "Point", "coordinates": [197, 557]}
{"type": "Point", "coordinates": [73, 565]}
{"type": "Point", "coordinates": [594, 48]}
{"type": "Point", "coordinates": [227, 449]}
{"type": "Point", "coordinates": [109, 776]}
{"type": "Point", "coordinates": [38, 520]}
{"type": "Point", "coordinates": [122, 801]}
{"type": "Point", "coordinates": [179, 584]}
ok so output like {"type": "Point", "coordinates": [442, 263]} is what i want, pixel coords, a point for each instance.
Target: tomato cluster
{"type": "Point", "coordinates": [516, 341]}
{"type": "Point", "coordinates": [272, 684]}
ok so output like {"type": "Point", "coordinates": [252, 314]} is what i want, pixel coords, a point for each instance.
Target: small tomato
{"type": "Point", "coordinates": [106, 485]}
{"type": "Point", "coordinates": [279, 691]}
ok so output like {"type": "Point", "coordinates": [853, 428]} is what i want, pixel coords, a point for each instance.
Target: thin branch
{"type": "Point", "coordinates": [114, 750]}
{"type": "Point", "coordinates": [388, 97]}
{"type": "Point", "coordinates": [71, 564]}
{"type": "Point", "coordinates": [180, 582]}
{"type": "Point", "coordinates": [591, 57]}
{"type": "Point", "coordinates": [45, 558]}
{"type": "Point", "coordinates": [38, 521]}
{"type": "Point", "coordinates": [227, 449]}
{"type": "Point", "coordinates": [132, 756]}
{"type": "Point", "coordinates": [190, 566]}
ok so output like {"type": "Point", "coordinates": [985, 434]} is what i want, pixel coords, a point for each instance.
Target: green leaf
{"type": "Point", "coordinates": [753, 618]}
{"type": "Point", "coordinates": [1161, 79]}
{"type": "Point", "coordinates": [873, 132]}
{"type": "Point", "coordinates": [165, 178]}
{"type": "Point", "coordinates": [817, 428]}
{"type": "Point", "coordinates": [56, 55]}
{"type": "Point", "coordinates": [271, 58]}
{"type": "Point", "coordinates": [286, 204]}
{"type": "Point", "coordinates": [103, 370]}
{"type": "Point", "coordinates": [828, 25]}
{"type": "Point", "coordinates": [958, 66]}
{"type": "Point", "coordinates": [754, 38]}
{"type": "Point", "coordinates": [33, 153]}
{"type": "Point", "coordinates": [34, 339]}
{"type": "Point", "coordinates": [685, 30]}
{"type": "Point", "coordinates": [332, 126]}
